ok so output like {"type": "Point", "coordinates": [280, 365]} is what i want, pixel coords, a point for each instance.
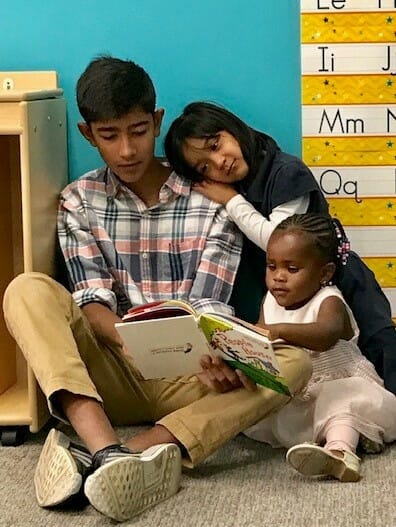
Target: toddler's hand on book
{"type": "Point", "coordinates": [272, 330]}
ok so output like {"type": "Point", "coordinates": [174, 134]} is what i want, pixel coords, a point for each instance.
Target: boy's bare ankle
{"type": "Point", "coordinates": [156, 435]}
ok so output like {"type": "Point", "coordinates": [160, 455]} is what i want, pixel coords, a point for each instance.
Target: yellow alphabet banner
{"type": "Point", "coordinates": [348, 62]}
{"type": "Point", "coordinates": [348, 27]}
{"type": "Point", "coordinates": [350, 151]}
{"type": "Point", "coordinates": [348, 89]}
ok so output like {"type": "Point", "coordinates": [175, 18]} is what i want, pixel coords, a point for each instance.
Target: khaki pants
{"type": "Point", "coordinates": [60, 347]}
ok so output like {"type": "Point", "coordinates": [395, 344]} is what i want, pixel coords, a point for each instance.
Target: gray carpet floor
{"type": "Point", "coordinates": [244, 484]}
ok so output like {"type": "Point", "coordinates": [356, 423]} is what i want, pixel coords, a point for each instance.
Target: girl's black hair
{"type": "Point", "coordinates": [205, 120]}
{"type": "Point", "coordinates": [327, 234]}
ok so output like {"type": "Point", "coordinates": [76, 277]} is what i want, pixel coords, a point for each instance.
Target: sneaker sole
{"type": "Point", "coordinates": [126, 487]}
{"type": "Point", "coordinates": [56, 477]}
{"type": "Point", "coordinates": [311, 461]}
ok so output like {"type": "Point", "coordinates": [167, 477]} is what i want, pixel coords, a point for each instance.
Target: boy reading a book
{"type": "Point", "coordinates": [131, 233]}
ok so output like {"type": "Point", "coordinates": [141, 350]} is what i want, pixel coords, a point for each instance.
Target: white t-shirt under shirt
{"type": "Point", "coordinates": [254, 225]}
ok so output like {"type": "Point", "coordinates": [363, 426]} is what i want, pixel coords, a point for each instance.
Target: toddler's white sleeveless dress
{"type": "Point", "coordinates": [343, 384]}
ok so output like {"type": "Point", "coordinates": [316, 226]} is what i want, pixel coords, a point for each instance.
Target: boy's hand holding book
{"type": "Point", "coordinates": [218, 376]}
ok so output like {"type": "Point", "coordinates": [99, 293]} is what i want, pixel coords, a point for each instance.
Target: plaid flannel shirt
{"type": "Point", "coordinates": [120, 253]}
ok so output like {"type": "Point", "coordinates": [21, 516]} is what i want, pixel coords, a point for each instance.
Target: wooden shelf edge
{"type": "Point", "coordinates": [14, 406]}
{"type": "Point", "coordinates": [11, 130]}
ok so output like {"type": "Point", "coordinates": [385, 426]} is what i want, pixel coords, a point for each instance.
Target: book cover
{"type": "Point", "coordinates": [165, 347]}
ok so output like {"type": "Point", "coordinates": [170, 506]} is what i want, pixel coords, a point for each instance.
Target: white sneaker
{"type": "Point", "coordinates": [127, 486]}
{"type": "Point", "coordinates": [58, 475]}
{"type": "Point", "coordinates": [314, 460]}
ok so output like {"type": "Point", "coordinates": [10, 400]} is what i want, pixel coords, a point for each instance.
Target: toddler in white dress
{"type": "Point", "coordinates": [344, 400]}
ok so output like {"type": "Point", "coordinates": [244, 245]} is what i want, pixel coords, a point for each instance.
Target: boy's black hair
{"type": "Point", "coordinates": [202, 120]}
{"type": "Point", "coordinates": [327, 235]}
{"type": "Point", "coordinates": [109, 88]}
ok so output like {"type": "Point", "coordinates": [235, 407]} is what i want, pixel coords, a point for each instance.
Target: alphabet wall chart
{"type": "Point", "coordinates": [348, 55]}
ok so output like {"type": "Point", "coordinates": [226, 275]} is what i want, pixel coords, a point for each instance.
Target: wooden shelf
{"type": "Point", "coordinates": [33, 157]}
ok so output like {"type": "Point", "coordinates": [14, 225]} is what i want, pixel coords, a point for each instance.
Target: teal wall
{"type": "Point", "coordinates": [243, 54]}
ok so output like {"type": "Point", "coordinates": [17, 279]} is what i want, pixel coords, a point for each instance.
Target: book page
{"type": "Point", "coordinates": [183, 305]}
{"type": "Point", "coordinates": [159, 309]}
{"type": "Point", "coordinates": [240, 322]}
{"type": "Point", "coordinates": [244, 349]}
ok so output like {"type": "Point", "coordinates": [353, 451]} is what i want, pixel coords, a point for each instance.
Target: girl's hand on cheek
{"type": "Point", "coordinates": [219, 192]}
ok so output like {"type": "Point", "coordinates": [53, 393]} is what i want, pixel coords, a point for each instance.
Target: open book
{"type": "Point", "coordinates": [167, 339]}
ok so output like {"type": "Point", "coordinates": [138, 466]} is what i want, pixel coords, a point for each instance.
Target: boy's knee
{"type": "Point", "coordinates": [296, 367]}
{"type": "Point", "coordinates": [24, 286]}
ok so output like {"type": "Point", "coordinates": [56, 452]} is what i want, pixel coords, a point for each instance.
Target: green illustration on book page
{"type": "Point", "coordinates": [244, 351]}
